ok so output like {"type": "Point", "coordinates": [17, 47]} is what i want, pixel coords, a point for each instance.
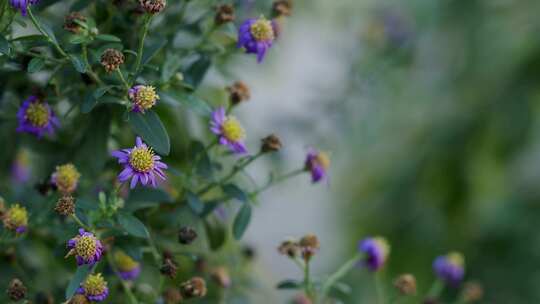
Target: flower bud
{"type": "Point", "coordinates": [224, 14]}
{"type": "Point", "coordinates": [221, 276]}
{"type": "Point", "coordinates": [472, 292]}
{"type": "Point", "coordinates": [406, 284]}
{"type": "Point", "coordinates": [111, 59]}
{"type": "Point", "coordinates": [289, 248]}
{"type": "Point", "coordinates": [153, 6]}
{"type": "Point", "coordinates": [282, 8]}
{"type": "Point", "coordinates": [65, 205]}
{"type": "Point", "coordinates": [271, 143]}
{"type": "Point", "coordinates": [194, 288]}
{"type": "Point", "coordinates": [172, 296]}
{"type": "Point", "coordinates": [71, 22]}
{"type": "Point", "coordinates": [16, 290]}
{"type": "Point", "coordinates": [186, 235]}
{"type": "Point", "coordinates": [239, 92]}
{"type": "Point", "coordinates": [169, 268]}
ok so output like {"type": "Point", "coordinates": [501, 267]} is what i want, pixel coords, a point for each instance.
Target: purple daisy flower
{"type": "Point", "coordinates": [256, 36]}
{"type": "Point", "coordinates": [86, 248]}
{"type": "Point", "coordinates": [376, 250]}
{"type": "Point", "coordinates": [229, 130]}
{"type": "Point", "coordinates": [36, 117]}
{"type": "Point", "coordinates": [140, 165]}
{"type": "Point", "coordinates": [22, 5]}
{"type": "Point", "coordinates": [94, 288]}
{"type": "Point", "coordinates": [143, 98]}
{"type": "Point", "coordinates": [450, 268]}
{"type": "Point", "coordinates": [128, 268]}
{"type": "Point", "coordinates": [317, 163]}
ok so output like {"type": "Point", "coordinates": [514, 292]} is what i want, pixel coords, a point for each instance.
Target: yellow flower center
{"type": "Point", "coordinates": [146, 97]}
{"type": "Point", "coordinates": [94, 284]}
{"type": "Point", "coordinates": [456, 258]}
{"type": "Point", "coordinates": [67, 178]}
{"type": "Point", "coordinates": [86, 247]}
{"type": "Point", "coordinates": [232, 129]}
{"type": "Point", "coordinates": [17, 216]}
{"type": "Point", "coordinates": [323, 159]}
{"type": "Point", "coordinates": [383, 244]}
{"type": "Point", "coordinates": [38, 114]}
{"type": "Point", "coordinates": [141, 159]}
{"type": "Point", "coordinates": [124, 261]}
{"type": "Point", "coordinates": [262, 30]}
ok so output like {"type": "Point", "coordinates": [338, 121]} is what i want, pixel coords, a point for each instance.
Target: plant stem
{"type": "Point", "coordinates": [379, 288]}
{"type": "Point", "coordinates": [436, 289]}
{"type": "Point", "coordinates": [340, 273]}
{"type": "Point", "coordinates": [146, 23]}
{"type": "Point", "coordinates": [278, 180]}
{"type": "Point", "coordinates": [90, 72]}
{"type": "Point", "coordinates": [74, 216]}
{"type": "Point", "coordinates": [42, 31]}
{"type": "Point", "coordinates": [307, 280]}
{"type": "Point", "coordinates": [127, 290]}
{"type": "Point", "coordinates": [121, 76]}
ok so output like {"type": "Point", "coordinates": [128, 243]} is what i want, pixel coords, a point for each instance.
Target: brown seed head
{"type": "Point", "coordinates": [282, 8]}
{"type": "Point", "coordinates": [473, 292]}
{"type": "Point", "coordinates": [224, 14]}
{"type": "Point", "coordinates": [65, 205]}
{"type": "Point", "coordinates": [406, 284]}
{"type": "Point", "coordinates": [194, 288]}
{"type": "Point", "coordinates": [271, 143]}
{"type": "Point", "coordinates": [239, 92]}
{"type": "Point", "coordinates": [169, 268]}
{"type": "Point", "coordinates": [16, 290]}
{"type": "Point", "coordinates": [111, 59]}
{"type": "Point", "coordinates": [153, 6]}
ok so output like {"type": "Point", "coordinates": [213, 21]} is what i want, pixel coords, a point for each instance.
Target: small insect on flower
{"type": "Point", "coordinates": [94, 288]}
{"type": "Point", "coordinates": [229, 131]}
{"type": "Point", "coordinates": [140, 165]}
{"type": "Point", "coordinates": [450, 268]}
{"type": "Point", "coordinates": [128, 268]}
{"type": "Point", "coordinates": [22, 5]}
{"type": "Point", "coordinates": [16, 219]}
{"type": "Point", "coordinates": [376, 250]}
{"type": "Point", "coordinates": [66, 178]}
{"type": "Point", "coordinates": [256, 36]}
{"type": "Point", "coordinates": [36, 117]}
{"type": "Point", "coordinates": [317, 163]}
{"type": "Point", "coordinates": [86, 248]}
{"type": "Point", "coordinates": [143, 98]}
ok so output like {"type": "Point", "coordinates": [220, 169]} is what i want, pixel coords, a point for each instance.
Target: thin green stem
{"type": "Point", "coordinates": [44, 33]}
{"type": "Point", "coordinates": [278, 180]}
{"type": "Point", "coordinates": [340, 273]}
{"type": "Point", "coordinates": [127, 289]}
{"type": "Point", "coordinates": [146, 24]}
{"type": "Point", "coordinates": [124, 82]}
{"type": "Point", "coordinates": [90, 71]}
{"type": "Point", "coordinates": [78, 221]}
{"type": "Point", "coordinates": [307, 281]}
{"type": "Point", "coordinates": [379, 287]}
{"type": "Point", "coordinates": [44, 57]}
{"type": "Point", "coordinates": [436, 289]}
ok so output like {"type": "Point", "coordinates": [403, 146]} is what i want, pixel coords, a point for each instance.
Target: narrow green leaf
{"type": "Point", "coordinates": [78, 63]}
{"type": "Point", "coordinates": [241, 222]}
{"type": "Point", "coordinates": [108, 38]}
{"type": "Point", "coordinates": [35, 65]}
{"type": "Point", "coordinates": [75, 282]}
{"type": "Point", "coordinates": [215, 233]}
{"type": "Point", "coordinates": [170, 66]}
{"type": "Point", "coordinates": [132, 225]}
{"type": "Point", "coordinates": [289, 284]}
{"type": "Point", "coordinates": [152, 131]}
{"type": "Point", "coordinates": [235, 192]}
{"type": "Point", "coordinates": [77, 39]}
{"type": "Point", "coordinates": [196, 72]}
{"type": "Point", "coordinates": [195, 203]}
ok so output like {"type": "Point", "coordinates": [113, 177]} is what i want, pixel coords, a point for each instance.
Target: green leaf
{"type": "Point", "coordinates": [152, 131]}
{"type": "Point", "coordinates": [132, 225]}
{"type": "Point", "coordinates": [78, 63]}
{"type": "Point", "coordinates": [235, 192]}
{"type": "Point", "coordinates": [146, 197]}
{"type": "Point", "coordinates": [170, 66]}
{"type": "Point", "coordinates": [192, 102]}
{"type": "Point", "coordinates": [75, 282]}
{"type": "Point", "coordinates": [35, 65]}
{"type": "Point", "coordinates": [108, 38]}
{"type": "Point", "coordinates": [215, 233]}
{"type": "Point", "coordinates": [4, 46]}
{"type": "Point", "coordinates": [241, 222]}
{"type": "Point", "coordinates": [196, 72]}
{"type": "Point", "coordinates": [47, 30]}
{"type": "Point", "coordinates": [152, 51]}
{"type": "Point", "coordinates": [196, 205]}
{"type": "Point", "coordinates": [91, 98]}
{"type": "Point", "coordinates": [77, 39]}
{"type": "Point", "coordinates": [289, 284]}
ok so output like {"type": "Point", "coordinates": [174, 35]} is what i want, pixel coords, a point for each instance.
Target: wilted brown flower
{"type": "Point", "coordinates": [65, 205]}
{"type": "Point", "coordinates": [186, 235]}
{"type": "Point", "coordinates": [71, 22]}
{"type": "Point", "coordinates": [153, 6]}
{"type": "Point", "coordinates": [472, 292]}
{"type": "Point", "coordinates": [79, 299]}
{"type": "Point", "coordinates": [16, 290]}
{"type": "Point", "coordinates": [290, 248]}
{"type": "Point", "coordinates": [194, 288]}
{"type": "Point", "coordinates": [224, 14]}
{"type": "Point", "coordinates": [169, 268]}
{"type": "Point", "coordinates": [172, 296]}
{"type": "Point", "coordinates": [406, 284]}
{"type": "Point", "coordinates": [271, 143]}
{"type": "Point", "coordinates": [111, 59]}
{"type": "Point", "coordinates": [282, 8]}
{"type": "Point", "coordinates": [239, 92]}
{"type": "Point", "coordinates": [309, 245]}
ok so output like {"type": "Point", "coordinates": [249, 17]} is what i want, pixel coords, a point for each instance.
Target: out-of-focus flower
{"type": "Point", "coordinates": [256, 36]}
{"type": "Point", "coordinates": [72, 22]}
{"type": "Point", "coordinates": [153, 6]}
{"type": "Point", "coordinates": [65, 205]}
{"type": "Point", "coordinates": [172, 296]}
{"type": "Point", "coordinates": [36, 117]}
{"type": "Point", "coordinates": [271, 143]}
{"type": "Point", "coordinates": [194, 288]}
{"type": "Point", "coordinates": [79, 299]}
{"type": "Point", "coordinates": [143, 98]}
{"type": "Point", "coordinates": [22, 5]}
{"type": "Point", "coordinates": [224, 14]}
{"type": "Point", "coordinates": [376, 250]}
{"type": "Point", "coordinates": [406, 284]}
{"type": "Point", "coordinates": [289, 248]}
{"type": "Point", "coordinates": [86, 248]}
{"type": "Point", "coordinates": [20, 169]}
{"type": "Point", "coordinates": [239, 92]}
{"type": "Point", "coordinates": [186, 235]}
{"type": "Point", "coordinates": [128, 268]}
{"type": "Point", "coordinates": [450, 268]}
{"type": "Point", "coordinates": [111, 59]}
{"type": "Point", "coordinates": [66, 178]}
{"type": "Point", "coordinates": [140, 165]}
{"type": "Point", "coordinates": [221, 276]}
{"type": "Point", "coordinates": [282, 8]}
{"type": "Point", "coordinates": [317, 163]}
{"type": "Point", "coordinates": [229, 130]}
{"type": "Point", "coordinates": [309, 246]}
{"type": "Point", "coordinates": [472, 292]}
{"type": "Point", "coordinates": [169, 267]}
{"type": "Point", "coordinates": [94, 288]}
{"type": "Point", "coordinates": [16, 290]}
{"type": "Point", "coordinates": [16, 218]}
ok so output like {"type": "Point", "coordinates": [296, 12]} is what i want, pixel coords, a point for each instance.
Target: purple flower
{"type": "Point", "coordinates": [450, 268]}
{"type": "Point", "coordinates": [143, 98]}
{"type": "Point", "coordinates": [36, 117]}
{"type": "Point", "coordinates": [128, 268]}
{"type": "Point", "coordinates": [376, 250]}
{"type": "Point", "coordinates": [140, 165]}
{"type": "Point", "coordinates": [256, 36]}
{"type": "Point", "coordinates": [229, 131]}
{"type": "Point", "coordinates": [20, 169]}
{"type": "Point", "coordinates": [22, 5]}
{"type": "Point", "coordinates": [86, 248]}
{"type": "Point", "coordinates": [94, 288]}
{"type": "Point", "coordinates": [317, 163]}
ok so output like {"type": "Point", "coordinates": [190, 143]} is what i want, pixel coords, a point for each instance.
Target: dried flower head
{"type": "Point", "coordinates": [256, 36]}
{"type": "Point", "coordinates": [239, 92]}
{"type": "Point", "coordinates": [406, 284]}
{"type": "Point", "coordinates": [66, 178]}
{"type": "Point", "coordinates": [86, 248]}
{"type": "Point", "coordinates": [282, 8]}
{"type": "Point", "coordinates": [128, 268]}
{"type": "Point", "coordinates": [94, 288]}
{"type": "Point", "coordinates": [186, 235]}
{"type": "Point", "coordinates": [290, 248]}
{"type": "Point", "coordinates": [224, 14]}
{"type": "Point", "coordinates": [309, 246]}
{"type": "Point", "coordinates": [65, 205]}
{"type": "Point", "coordinates": [169, 268]}
{"type": "Point", "coordinates": [221, 276]}
{"type": "Point", "coordinates": [153, 6]}
{"type": "Point", "coordinates": [72, 22]}
{"type": "Point", "coordinates": [16, 218]}
{"type": "Point", "coordinates": [111, 59]}
{"type": "Point", "coordinates": [317, 163]}
{"type": "Point", "coordinates": [229, 131]}
{"type": "Point", "coordinates": [36, 117]}
{"type": "Point", "coordinates": [472, 292]}
{"type": "Point", "coordinates": [376, 250]}
{"type": "Point", "coordinates": [271, 143]}
{"type": "Point", "coordinates": [79, 299]}
{"type": "Point", "coordinates": [143, 98]}
{"type": "Point", "coordinates": [16, 290]}
{"type": "Point", "coordinates": [450, 268]}
{"type": "Point", "coordinates": [193, 288]}
{"type": "Point", "coordinates": [172, 296]}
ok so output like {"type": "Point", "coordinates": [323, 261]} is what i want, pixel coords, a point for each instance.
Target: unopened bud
{"type": "Point", "coordinates": [71, 22]}
{"type": "Point", "coordinates": [221, 276]}
{"type": "Point", "coordinates": [282, 8]}
{"type": "Point", "coordinates": [79, 299]}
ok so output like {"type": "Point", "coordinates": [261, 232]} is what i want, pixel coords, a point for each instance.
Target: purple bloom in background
{"type": "Point", "coordinates": [140, 165]}
{"type": "Point", "coordinates": [36, 117]}
{"type": "Point", "coordinates": [256, 36]}
{"type": "Point", "coordinates": [94, 288]}
{"type": "Point", "coordinates": [20, 169]}
{"type": "Point", "coordinates": [86, 248]}
{"type": "Point", "coordinates": [317, 163]}
{"type": "Point", "coordinates": [376, 250]}
{"type": "Point", "coordinates": [229, 131]}
{"type": "Point", "coordinates": [128, 268]}
{"type": "Point", "coordinates": [22, 5]}
{"type": "Point", "coordinates": [450, 268]}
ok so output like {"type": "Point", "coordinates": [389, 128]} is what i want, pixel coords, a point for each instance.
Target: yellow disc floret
{"type": "Point", "coordinates": [145, 97]}
{"type": "Point", "coordinates": [94, 284]}
{"type": "Point", "coordinates": [66, 178]}
{"type": "Point", "coordinates": [16, 217]}
{"type": "Point", "coordinates": [86, 247]}
{"type": "Point", "coordinates": [262, 30]}
{"type": "Point", "coordinates": [142, 159]}
{"type": "Point", "coordinates": [124, 261]}
{"type": "Point", "coordinates": [383, 244]}
{"type": "Point", "coordinates": [232, 129]}
{"type": "Point", "coordinates": [37, 114]}
{"type": "Point", "coordinates": [323, 159]}
{"type": "Point", "coordinates": [456, 258]}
